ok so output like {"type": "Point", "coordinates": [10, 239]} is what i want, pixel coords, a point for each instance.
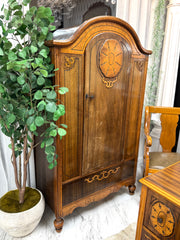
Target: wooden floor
{"type": "Point", "coordinates": [95, 222]}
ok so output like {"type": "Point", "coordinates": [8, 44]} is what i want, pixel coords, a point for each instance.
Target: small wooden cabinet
{"type": "Point", "coordinates": [104, 66]}
{"type": "Point", "coordinates": [159, 212]}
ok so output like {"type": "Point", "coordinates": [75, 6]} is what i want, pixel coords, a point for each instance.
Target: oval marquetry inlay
{"type": "Point", "coordinates": [111, 56]}
{"type": "Point", "coordinates": [162, 219]}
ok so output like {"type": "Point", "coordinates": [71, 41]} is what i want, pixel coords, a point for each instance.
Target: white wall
{"type": "Point", "coordinates": [140, 15]}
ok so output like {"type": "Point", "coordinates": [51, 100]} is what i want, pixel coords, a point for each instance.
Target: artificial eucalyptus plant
{"type": "Point", "coordinates": [28, 100]}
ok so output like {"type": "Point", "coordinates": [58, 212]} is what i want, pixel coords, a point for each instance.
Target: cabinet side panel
{"type": "Point", "coordinates": [71, 77]}
{"type": "Point", "coordinates": [44, 176]}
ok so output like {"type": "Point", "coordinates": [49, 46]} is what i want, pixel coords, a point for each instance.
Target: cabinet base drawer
{"type": "Point", "coordinates": [95, 182]}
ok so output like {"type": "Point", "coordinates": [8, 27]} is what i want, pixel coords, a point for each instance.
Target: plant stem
{"type": "Point", "coordinates": [22, 191]}
{"type": "Point", "coordinates": [20, 172]}
{"type": "Point", "coordinates": [15, 164]}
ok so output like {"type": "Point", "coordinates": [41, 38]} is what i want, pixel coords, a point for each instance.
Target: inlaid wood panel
{"type": "Point", "coordinates": [161, 216]}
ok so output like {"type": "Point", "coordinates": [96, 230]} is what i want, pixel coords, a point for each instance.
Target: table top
{"type": "Point", "coordinates": [166, 182]}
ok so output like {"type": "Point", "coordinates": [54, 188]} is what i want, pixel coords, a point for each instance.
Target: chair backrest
{"type": "Point", "coordinates": [168, 132]}
{"type": "Point", "coordinates": [169, 121]}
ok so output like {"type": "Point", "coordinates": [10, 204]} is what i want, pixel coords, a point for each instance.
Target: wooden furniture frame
{"type": "Point", "coordinates": [159, 211]}
{"type": "Point", "coordinates": [104, 66]}
{"type": "Point", "coordinates": [169, 120]}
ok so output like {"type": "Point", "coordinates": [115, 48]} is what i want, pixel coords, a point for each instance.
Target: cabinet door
{"type": "Point", "coordinates": [107, 69]}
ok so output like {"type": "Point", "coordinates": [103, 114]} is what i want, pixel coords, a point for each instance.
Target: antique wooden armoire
{"type": "Point", "coordinates": [104, 66]}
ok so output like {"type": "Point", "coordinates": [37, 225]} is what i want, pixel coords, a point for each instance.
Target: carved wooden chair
{"type": "Point", "coordinates": [169, 118]}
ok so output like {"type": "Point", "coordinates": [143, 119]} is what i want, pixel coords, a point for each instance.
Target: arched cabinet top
{"type": "Point", "coordinates": [81, 35]}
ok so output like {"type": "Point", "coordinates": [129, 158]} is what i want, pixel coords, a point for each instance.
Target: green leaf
{"type": "Point", "coordinates": [13, 77]}
{"type": "Point", "coordinates": [63, 90]}
{"type": "Point", "coordinates": [50, 158]}
{"type": "Point", "coordinates": [18, 13]}
{"type": "Point", "coordinates": [44, 30]}
{"type": "Point", "coordinates": [38, 95]}
{"type": "Point", "coordinates": [44, 53]}
{"type": "Point", "coordinates": [31, 111]}
{"type": "Point", "coordinates": [40, 80]}
{"type": "Point", "coordinates": [2, 8]}
{"type": "Point", "coordinates": [43, 144]}
{"type": "Point", "coordinates": [11, 118]}
{"type": "Point", "coordinates": [41, 105]}
{"type": "Point", "coordinates": [26, 88]}
{"type": "Point", "coordinates": [52, 27]}
{"type": "Point", "coordinates": [44, 72]}
{"type": "Point", "coordinates": [50, 150]}
{"type": "Point", "coordinates": [53, 133]}
{"type": "Point", "coordinates": [64, 125]}
{"type": "Point", "coordinates": [51, 107]}
{"type": "Point", "coordinates": [29, 138]}
{"type": "Point", "coordinates": [51, 95]}
{"type": "Point", "coordinates": [21, 80]}
{"type": "Point", "coordinates": [51, 166]}
{"type": "Point", "coordinates": [26, 2]}
{"type": "Point", "coordinates": [33, 49]}
{"type": "Point", "coordinates": [1, 88]}
{"type": "Point", "coordinates": [30, 120]}
{"type": "Point", "coordinates": [59, 112]}
{"type": "Point", "coordinates": [7, 45]}
{"type": "Point", "coordinates": [62, 132]}
{"type": "Point", "coordinates": [49, 141]}
{"type": "Point", "coordinates": [55, 163]}
{"type": "Point", "coordinates": [39, 121]}
{"type": "Point", "coordinates": [22, 54]}
{"type": "Point", "coordinates": [32, 127]}
{"type": "Point", "coordinates": [12, 56]}
{"type": "Point", "coordinates": [48, 12]}
{"type": "Point", "coordinates": [1, 52]}
{"type": "Point", "coordinates": [39, 61]}
{"type": "Point", "coordinates": [49, 36]}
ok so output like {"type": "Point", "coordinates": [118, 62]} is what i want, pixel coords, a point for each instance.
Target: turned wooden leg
{"type": "Point", "coordinates": [132, 189]}
{"type": "Point", "coordinates": [58, 223]}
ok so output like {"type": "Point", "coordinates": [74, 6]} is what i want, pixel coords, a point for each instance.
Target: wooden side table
{"type": "Point", "coordinates": [159, 211]}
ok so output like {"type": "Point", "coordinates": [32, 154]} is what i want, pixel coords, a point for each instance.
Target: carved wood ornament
{"type": "Point", "coordinates": [69, 62]}
{"type": "Point", "coordinates": [110, 61]}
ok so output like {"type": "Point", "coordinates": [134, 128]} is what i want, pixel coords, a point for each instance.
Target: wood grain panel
{"type": "Point", "coordinates": [134, 107]}
{"type": "Point", "coordinates": [81, 188]}
{"type": "Point", "coordinates": [168, 133]}
{"type": "Point", "coordinates": [71, 73]}
{"type": "Point", "coordinates": [166, 188]}
{"type": "Point", "coordinates": [104, 119]}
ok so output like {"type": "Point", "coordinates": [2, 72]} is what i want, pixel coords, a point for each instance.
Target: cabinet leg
{"type": "Point", "coordinates": [58, 223]}
{"type": "Point", "coordinates": [132, 189]}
